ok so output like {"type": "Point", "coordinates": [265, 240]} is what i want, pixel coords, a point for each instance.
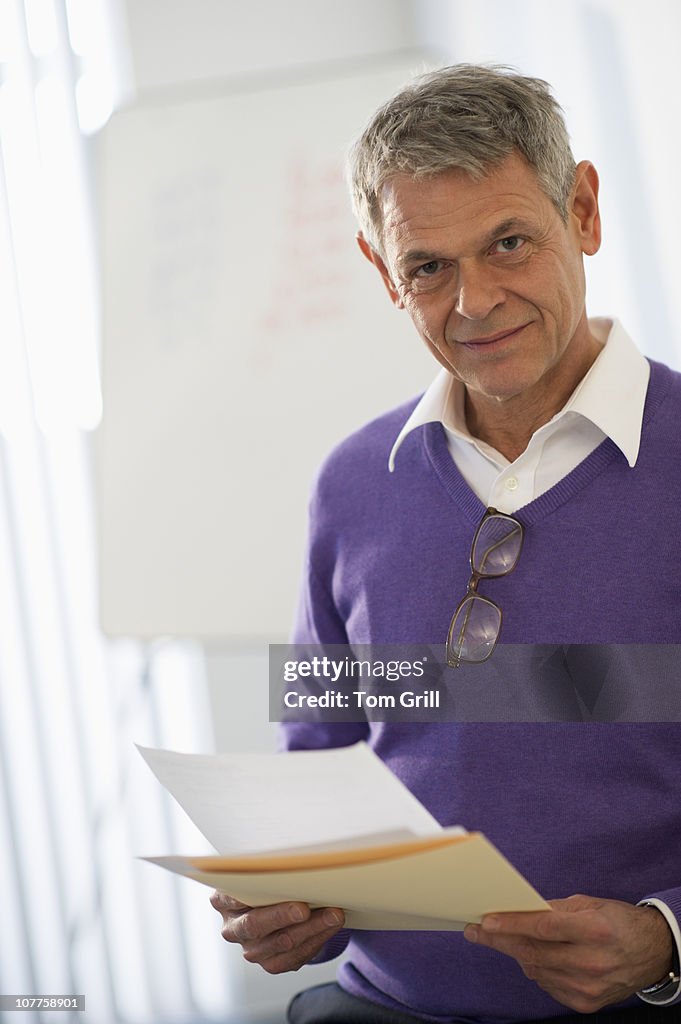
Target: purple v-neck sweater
{"type": "Point", "coordinates": [577, 807]}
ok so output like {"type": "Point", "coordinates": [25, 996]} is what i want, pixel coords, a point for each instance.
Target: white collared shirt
{"type": "Point", "coordinates": [608, 402]}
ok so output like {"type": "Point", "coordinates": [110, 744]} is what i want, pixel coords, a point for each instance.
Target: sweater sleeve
{"type": "Point", "coordinates": [318, 623]}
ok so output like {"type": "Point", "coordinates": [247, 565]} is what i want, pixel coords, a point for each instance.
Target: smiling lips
{"type": "Point", "coordinates": [492, 339]}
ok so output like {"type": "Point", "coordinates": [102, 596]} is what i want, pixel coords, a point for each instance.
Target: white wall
{"type": "Point", "coordinates": [178, 43]}
{"type": "Point", "coordinates": [182, 41]}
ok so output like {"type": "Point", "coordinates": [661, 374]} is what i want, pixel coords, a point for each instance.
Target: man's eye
{"type": "Point", "coordinates": [428, 269]}
{"type": "Point", "coordinates": [510, 244]}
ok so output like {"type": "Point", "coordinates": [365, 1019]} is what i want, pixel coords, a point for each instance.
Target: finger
{"type": "Point", "coordinates": [300, 955]}
{"type": "Point", "coordinates": [555, 961]}
{"type": "Point", "coordinates": [585, 926]}
{"type": "Point", "coordinates": [251, 925]}
{"type": "Point", "coordinates": [539, 958]}
{"type": "Point", "coordinates": [296, 939]}
{"type": "Point", "coordinates": [221, 901]}
{"type": "Point", "coordinates": [527, 951]}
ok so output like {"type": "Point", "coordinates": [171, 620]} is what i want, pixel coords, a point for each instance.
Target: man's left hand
{"type": "Point", "coordinates": [587, 952]}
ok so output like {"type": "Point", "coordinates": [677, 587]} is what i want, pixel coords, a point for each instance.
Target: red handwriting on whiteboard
{"type": "Point", "coordinates": [311, 285]}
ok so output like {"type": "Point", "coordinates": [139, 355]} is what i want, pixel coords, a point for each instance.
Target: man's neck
{"type": "Point", "coordinates": [507, 425]}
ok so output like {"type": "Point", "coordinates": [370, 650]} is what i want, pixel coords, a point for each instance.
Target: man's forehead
{"type": "Point", "coordinates": [435, 203]}
{"type": "Point", "coordinates": [512, 172]}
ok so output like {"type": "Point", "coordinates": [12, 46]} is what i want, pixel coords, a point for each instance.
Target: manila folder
{"type": "Point", "coordinates": [430, 883]}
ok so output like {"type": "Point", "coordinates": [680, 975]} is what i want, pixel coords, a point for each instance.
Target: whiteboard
{"type": "Point", "coordinates": [244, 335]}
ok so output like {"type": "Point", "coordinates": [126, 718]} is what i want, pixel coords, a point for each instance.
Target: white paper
{"type": "Point", "coordinates": [250, 803]}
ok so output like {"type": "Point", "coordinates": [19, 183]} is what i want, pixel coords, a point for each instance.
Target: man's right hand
{"type": "Point", "coordinates": [281, 937]}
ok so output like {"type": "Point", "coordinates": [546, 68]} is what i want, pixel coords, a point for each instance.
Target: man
{"type": "Point", "coordinates": [476, 217]}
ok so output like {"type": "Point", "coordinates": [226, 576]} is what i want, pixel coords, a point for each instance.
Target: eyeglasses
{"type": "Point", "coordinates": [476, 623]}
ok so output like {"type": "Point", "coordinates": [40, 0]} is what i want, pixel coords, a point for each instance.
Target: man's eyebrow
{"type": "Point", "coordinates": [416, 256]}
{"type": "Point", "coordinates": [502, 230]}
{"type": "Point", "coordinates": [505, 229]}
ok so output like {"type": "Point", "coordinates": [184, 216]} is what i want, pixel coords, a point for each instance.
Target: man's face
{"type": "Point", "coordinates": [491, 275]}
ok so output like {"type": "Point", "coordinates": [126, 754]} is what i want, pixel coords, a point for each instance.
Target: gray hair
{"type": "Point", "coordinates": [469, 117]}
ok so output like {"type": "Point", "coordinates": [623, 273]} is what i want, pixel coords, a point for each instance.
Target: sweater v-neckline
{"type": "Point", "coordinates": [438, 454]}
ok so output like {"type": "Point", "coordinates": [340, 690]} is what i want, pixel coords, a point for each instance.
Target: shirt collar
{"type": "Point", "coordinates": [611, 395]}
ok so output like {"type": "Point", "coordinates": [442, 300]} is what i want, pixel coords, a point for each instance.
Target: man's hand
{"type": "Point", "coordinates": [281, 937]}
{"type": "Point", "coordinates": [587, 953]}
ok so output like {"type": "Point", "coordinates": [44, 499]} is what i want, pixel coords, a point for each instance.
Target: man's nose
{"type": "Point", "coordinates": [479, 292]}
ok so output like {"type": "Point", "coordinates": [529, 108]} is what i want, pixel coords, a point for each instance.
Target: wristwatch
{"type": "Point", "coordinates": [671, 979]}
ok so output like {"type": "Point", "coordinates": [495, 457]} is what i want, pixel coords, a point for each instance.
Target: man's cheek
{"type": "Point", "coordinates": [426, 326]}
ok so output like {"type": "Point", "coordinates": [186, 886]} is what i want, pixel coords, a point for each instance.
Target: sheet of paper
{"type": "Point", "coordinates": [247, 803]}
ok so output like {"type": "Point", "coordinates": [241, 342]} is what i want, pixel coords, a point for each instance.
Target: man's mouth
{"type": "Point", "coordinates": [492, 339]}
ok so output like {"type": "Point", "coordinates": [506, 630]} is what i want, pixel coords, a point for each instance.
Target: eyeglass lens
{"type": "Point", "coordinates": [474, 630]}
{"type": "Point", "coordinates": [497, 546]}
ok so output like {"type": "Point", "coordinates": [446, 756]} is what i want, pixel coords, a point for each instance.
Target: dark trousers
{"type": "Point", "coordinates": [329, 1004]}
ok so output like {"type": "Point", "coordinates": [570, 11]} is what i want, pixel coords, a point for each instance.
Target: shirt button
{"type": "Point", "coordinates": [511, 483]}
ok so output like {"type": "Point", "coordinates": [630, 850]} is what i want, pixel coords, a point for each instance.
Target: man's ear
{"type": "Point", "coordinates": [585, 207]}
{"type": "Point", "coordinates": [378, 262]}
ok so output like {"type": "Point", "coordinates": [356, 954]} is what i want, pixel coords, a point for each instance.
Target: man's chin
{"type": "Point", "coordinates": [501, 386]}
